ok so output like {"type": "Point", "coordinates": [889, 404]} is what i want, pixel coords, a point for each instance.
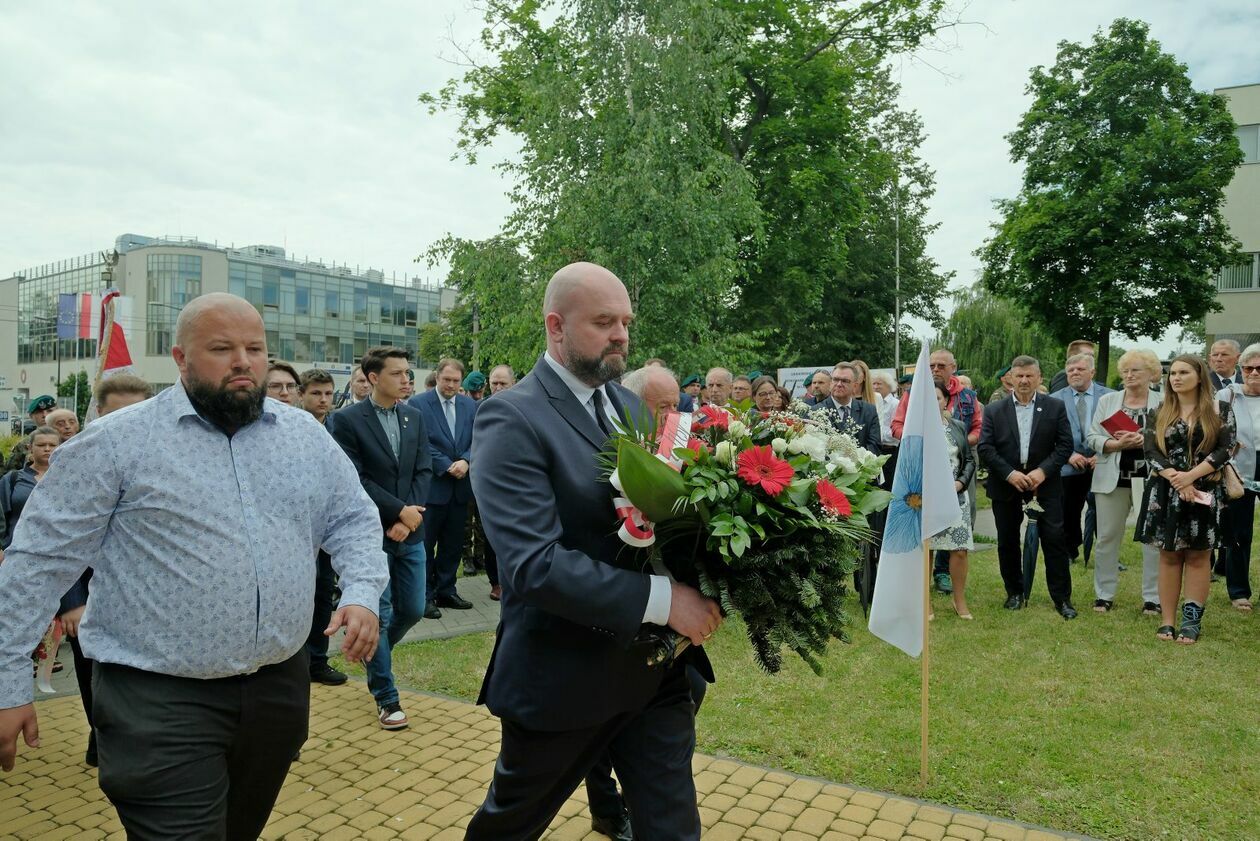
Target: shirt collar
{"type": "Point", "coordinates": [378, 407]}
{"type": "Point", "coordinates": [184, 408]}
{"type": "Point", "coordinates": [1018, 405]}
{"type": "Point", "coordinates": [580, 390]}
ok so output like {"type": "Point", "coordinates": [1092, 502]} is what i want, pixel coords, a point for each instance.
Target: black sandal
{"type": "Point", "coordinates": [1102, 605]}
{"type": "Point", "coordinates": [1191, 623]}
{"type": "Point", "coordinates": [1166, 633]}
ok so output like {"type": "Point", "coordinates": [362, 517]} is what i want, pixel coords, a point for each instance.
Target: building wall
{"type": "Point", "coordinates": [1240, 315]}
{"type": "Point", "coordinates": [315, 316]}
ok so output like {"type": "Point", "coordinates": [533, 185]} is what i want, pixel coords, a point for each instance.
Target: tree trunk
{"type": "Point", "coordinates": [1103, 362]}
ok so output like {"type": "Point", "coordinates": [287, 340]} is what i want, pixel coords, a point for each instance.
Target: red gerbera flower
{"type": "Point", "coordinates": [711, 416]}
{"type": "Point", "coordinates": [834, 500]}
{"type": "Point", "coordinates": [696, 445]}
{"type": "Point", "coordinates": [758, 467]}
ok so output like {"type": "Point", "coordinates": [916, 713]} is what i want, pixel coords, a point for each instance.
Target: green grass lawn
{"type": "Point", "coordinates": [1092, 726]}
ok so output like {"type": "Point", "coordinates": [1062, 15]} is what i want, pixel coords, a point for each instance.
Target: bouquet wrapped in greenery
{"type": "Point", "coordinates": [762, 512]}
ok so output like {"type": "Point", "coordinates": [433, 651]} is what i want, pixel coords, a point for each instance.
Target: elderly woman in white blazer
{"type": "Point", "coordinates": [1119, 478]}
{"type": "Point", "coordinates": [1237, 522]}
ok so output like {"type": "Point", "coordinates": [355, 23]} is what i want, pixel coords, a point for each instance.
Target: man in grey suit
{"type": "Point", "coordinates": [564, 678]}
{"type": "Point", "coordinates": [846, 409]}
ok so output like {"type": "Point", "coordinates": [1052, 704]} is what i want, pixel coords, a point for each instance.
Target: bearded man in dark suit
{"type": "Point", "coordinates": [563, 678]}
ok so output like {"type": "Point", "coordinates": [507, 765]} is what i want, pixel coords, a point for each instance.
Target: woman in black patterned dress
{"type": "Point", "coordinates": [1187, 441]}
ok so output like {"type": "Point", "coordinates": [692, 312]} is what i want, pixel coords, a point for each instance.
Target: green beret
{"type": "Point", "coordinates": [41, 404]}
{"type": "Point", "coordinates": [694, 379]}
{"type": "Point", "coordinates": [905, 379]}
{"type": "Point", "coordinates": [1003, 372]}
{"type": "Point", "coordinates": [475, 381]}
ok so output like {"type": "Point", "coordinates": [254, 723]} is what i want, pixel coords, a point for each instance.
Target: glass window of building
{"type": "Point", "coordinates": [1249, 140]}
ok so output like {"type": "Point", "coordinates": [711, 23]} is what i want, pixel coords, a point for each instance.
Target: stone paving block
{"type": "Point", "coordinates": [858, 814]}
{"type": "Point", "coordinates": [35, 831]}
{"type": "Point", "coordinates": [833, 835]}
{"type": "Point", "coordinates": [898, 811]}
{"type": "Point", "coordinates": [756, 802]}
{"type": "Point", "coordinates": [1005, 831]}
{"type": "Point", "coordinates": [774, 820]}
{"type": "Point", "coordinates": [342, 833]}
{"type": "Point", "coordinates": [733, 790]}
{"type": "Point", "coordinates": [966, 833]}
{"type": "Point", "coordinates": [724, 832]}
{"type": "Point", "coordinates": [741, 816]}
{"type": "Point", "coordinates": [418, 832]}
{"type": "Point", "coordinates": [377, 833]}
{"type": "Point", "coordinates": [868, 799]}
{"type": "Point", "coordinates": [934, 814]}
{"type": "Point", "coordinates": [970, 820]}
{"type": "Point", "coordinates": [925, 830]}
{"type": "Point", "coordinates": [803, 790]}
{"type": "Point", "coordinates": [769, 789]}
{"type": "Point", "coordinates": [796, 835]}
{"type": "Point", "coordinates": [788, 806]}
{"type": "Point", "coordinates": [844, 825]}
{"type": "Point", "coordinates": [880, 828]}
{"type": "Point", "coordinates": [746, 776]}
{"type": "Point", "coordinates": [720, 802]}
{"type": "Point", "coordinates": [760, 833]}
{"type": "Point", "coordinates": [813, 821]}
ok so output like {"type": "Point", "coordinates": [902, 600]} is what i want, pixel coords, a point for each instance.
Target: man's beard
{"type": "Point", "coordinates": [227, 409]}
{"type": "Point", "coordinates": [597, 370]}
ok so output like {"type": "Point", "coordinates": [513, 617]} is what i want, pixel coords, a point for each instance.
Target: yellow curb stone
{"type": "Point", "coordinates": [1039, 835]}
{"type": "Point", "coordinates": [971, 820]}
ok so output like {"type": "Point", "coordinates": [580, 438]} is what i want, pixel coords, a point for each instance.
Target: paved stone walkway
{"type": "Point", "coordinates": [355, 781]}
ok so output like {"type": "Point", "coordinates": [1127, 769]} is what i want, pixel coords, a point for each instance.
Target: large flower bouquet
{"type": "Point", "coordinates": [762, 512]}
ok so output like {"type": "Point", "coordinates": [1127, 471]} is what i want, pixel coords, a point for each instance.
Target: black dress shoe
{"type": "Point", "coordinates": [454, 602]}
{"type": "Point", "coordinates": [617, 828]}
{"type": "Point", "coordinates": [431, 611]}
{"type": "Point", "coordinates": [1066, 610]}
{"type": "Point", "coordinates": [327, 675]}
{"type": "Point", "coordinates": [1014, 602]}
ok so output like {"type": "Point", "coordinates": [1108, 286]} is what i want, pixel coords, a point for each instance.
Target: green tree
{"type": "Point", "coordinates": [77, 386]}
{"type": "Point", "coordinates": [1118, 224]}
{"type": "Point", "coordinates": [724, 158]}
{"type": "Point", "coordinates": [985, 332]}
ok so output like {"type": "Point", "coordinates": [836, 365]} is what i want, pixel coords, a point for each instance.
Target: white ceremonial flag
{"type": "Point", "coordinates": [924, 504]}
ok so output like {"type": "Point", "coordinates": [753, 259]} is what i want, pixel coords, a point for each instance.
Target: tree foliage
{"type": "Point", "coordinates": [733, 162]}
{"type": "Point", "coordinates": [985, 332]}
{"type": "Point", "coordinates": [1118, 224]}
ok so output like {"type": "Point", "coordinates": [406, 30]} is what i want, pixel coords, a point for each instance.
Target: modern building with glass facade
{"type": "Point", "coordinates": [1239, 285]}
{"type": "Point", "coordinates": [315, 315]}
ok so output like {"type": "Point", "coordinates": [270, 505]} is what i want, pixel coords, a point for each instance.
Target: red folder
{"type": "Point", "coordinates": [1119, 422]}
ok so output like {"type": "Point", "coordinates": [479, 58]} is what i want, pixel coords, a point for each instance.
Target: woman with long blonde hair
{"type": "Point", "coordinates": [1185, 443]}
{"type": "Point", "coordinates": [864, 390]}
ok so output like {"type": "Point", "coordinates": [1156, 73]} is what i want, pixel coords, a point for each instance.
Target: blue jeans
{"type": "Point", "coordinates": [402, 606]}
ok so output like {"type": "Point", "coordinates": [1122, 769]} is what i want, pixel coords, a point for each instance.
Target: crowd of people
{"type": "Point", "coordinates": [398, 489]}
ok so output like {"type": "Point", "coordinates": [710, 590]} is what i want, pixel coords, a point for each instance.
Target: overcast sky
{"type": "Point", "coordinates": [296, 124]}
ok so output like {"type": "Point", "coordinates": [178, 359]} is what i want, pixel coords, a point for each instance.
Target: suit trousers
{"type": "Point", "coordinates": [193, 759]}
{"type": "Point", "coordinates": [601, 790]}
{"type": "Point", "coordinates": [651, 750]}
{"type": "Point", "coordinates": [325, 585]}
{"type": "Point", "coordinates": [83, 676]}
{"type": "Point", "coordinates": [1075, 495]}
{"type": "Point", "coordinates": [444, 531]}
{"type": "Point", "coordinates": [1008, 516]}
{"type": "Point", "coordinates": [1113, 515]}
{"type": "Point", "coordinates": [1238, 518]}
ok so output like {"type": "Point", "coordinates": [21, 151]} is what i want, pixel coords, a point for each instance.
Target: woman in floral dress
{"type": "Point", "coordinates": [1186, 442]}
{"type": "Point", "coordinates": [957, 538]}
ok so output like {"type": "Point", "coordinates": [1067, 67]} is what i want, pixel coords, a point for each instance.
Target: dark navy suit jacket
{"type": "Point", "coordinates": [573, 595]}
{"type": "Point", "coordinates": [864, 415]}
{"type": "Point", "coordinates": [445, 450]}
{"type": "Point", "coordinates": [392, 483]}
{"type": "Point", "coordinates": [1049, 445]}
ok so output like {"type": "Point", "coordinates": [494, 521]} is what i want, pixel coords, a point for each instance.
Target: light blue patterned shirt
{"type": "Point", "coordinates": [203, 546]}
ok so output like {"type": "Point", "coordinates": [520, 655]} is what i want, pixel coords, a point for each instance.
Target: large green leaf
{"type": "Point", "coordinates": [648, 482]}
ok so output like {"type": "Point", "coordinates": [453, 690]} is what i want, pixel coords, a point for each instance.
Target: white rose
{"type": "Point", "coordinates": [778, 445]}
{"type": "Point", "coordinates": [725, 452]}
{"type": "Point", "coordinates": [846, 465]}
{"type": "Point", "coordinates": [736, 429]}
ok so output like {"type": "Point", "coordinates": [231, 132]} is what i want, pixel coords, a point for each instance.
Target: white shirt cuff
{"type": "Point", "coordinates": [659, 600]}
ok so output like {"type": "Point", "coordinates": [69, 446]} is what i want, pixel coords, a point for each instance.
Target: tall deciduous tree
{"type": "Point", "coordinates": [1118, 224]}
{"type": "Point", "coordinates": [724, 158]}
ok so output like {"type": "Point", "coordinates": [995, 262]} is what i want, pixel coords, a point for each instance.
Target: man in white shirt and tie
{"type": "Point", "coordinates": [1080, 397]}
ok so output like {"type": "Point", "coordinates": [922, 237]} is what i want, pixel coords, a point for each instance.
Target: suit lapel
{"type": "Point", "coordinates": [567, 405]}
{"type": "Point", "coordinates": [1037, 407]}
{"type": "Point", "coordinates": [409, 431]}
{"type": "Point", "coordinates": [374, 424]}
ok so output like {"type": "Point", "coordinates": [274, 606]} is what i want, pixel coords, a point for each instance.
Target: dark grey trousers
{"type": "Point", "coordinates": [198, 759]}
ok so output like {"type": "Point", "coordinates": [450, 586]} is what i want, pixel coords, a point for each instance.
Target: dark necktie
{"type": "Point", "coordinates": [1225, 382]}
{"type": "Point", "coordinates": [597, 398]}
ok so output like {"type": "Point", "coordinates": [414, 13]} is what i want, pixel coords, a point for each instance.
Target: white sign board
{"type": "Point", "coordinates": [795, 379]}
